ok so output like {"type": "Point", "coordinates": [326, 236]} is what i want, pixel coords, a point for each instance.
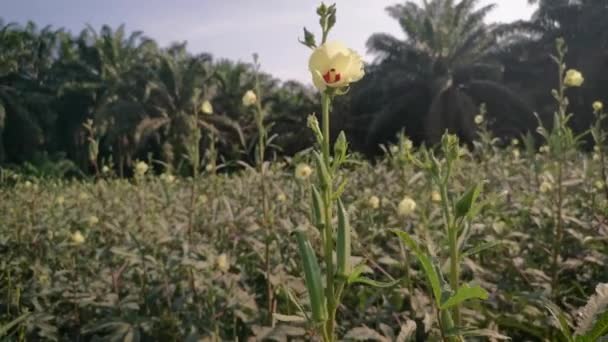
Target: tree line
{"type": "Point", "coordinates": [110, 97]}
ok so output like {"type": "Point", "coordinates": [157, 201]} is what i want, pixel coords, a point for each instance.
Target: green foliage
{"type": "Point", "coordinates": [132, 270]}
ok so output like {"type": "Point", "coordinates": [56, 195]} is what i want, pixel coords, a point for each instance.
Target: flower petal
{"type": "Point", "coordinates": [332, 49]}
{"type": "Point", "coordinates": [318, 81]}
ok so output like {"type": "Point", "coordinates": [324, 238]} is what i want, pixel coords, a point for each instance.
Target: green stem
{"type": "Point", "coordinates": [558, 235]}
{"type": "Point", "coordinates": [328, 236]}
{"type": "Point", "coordinates": [603, 169]}
{"type": "Point", "coordinates": [454, 268]}
{"type": "Point", "coordinates": [452, 230]}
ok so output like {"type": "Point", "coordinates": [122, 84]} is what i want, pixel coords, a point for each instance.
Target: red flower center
{"type": "Point", "coordinates": [331, 76]}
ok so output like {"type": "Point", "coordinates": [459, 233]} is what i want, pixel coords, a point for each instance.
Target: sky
{"type": "Point", "coordinates": [234, 29]}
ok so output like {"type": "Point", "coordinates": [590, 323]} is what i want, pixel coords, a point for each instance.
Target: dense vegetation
{"type": "Point", "coordinates": [142, 99]}
{"type": "Point", "coordinates": [494, 232]}
{"type": "Point", "coordinates": [150, 264]}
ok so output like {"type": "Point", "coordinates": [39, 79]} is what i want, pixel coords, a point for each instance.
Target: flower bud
{"type": "Point", "coordinates": [250, 98]}
{"type": "Point", "coordinates": [573, 78]}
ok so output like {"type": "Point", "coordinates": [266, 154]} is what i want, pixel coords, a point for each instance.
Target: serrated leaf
{"type": "Point", "coordinates": [464, 293]}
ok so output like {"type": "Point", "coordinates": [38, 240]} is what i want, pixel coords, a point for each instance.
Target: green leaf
{"type": "Point", "coordinates": [425, 261]}
{"type": "Point", "coordinates": [600, 328]}
{"type": "Point", "coordinates": [561, 319]}
{"type": "Point", "coordinates": [476, 333]}
{"type": "Point", "coordinates": [312, 277]}
{"type": "Point", "coordinates": [309, 39]}
{"type": "Point", "coordinates": [289, 318]}
{"type": "Point", "coordinates": [317, 205]}
{"type": "Point", "coordinates": [464, 293]}
{"type": "Point", "coordinates": [340, 149]}
{"type": "Point", "coordinates": [2, 116]}
{"type": "Point", "coordinates": [374, 283]}
{"type": "Point", "coordinates": [5, 328]}
{"type": "Point", "coordinates": [355, 273]}
{"type": "Point", "coordinates": [480, 248]}
{"type": "Point", "coordinates": [343, 243]}
{"type": "Point", "coordinates": [465, 204]}
{"type": "Point", "coordinates": [323, 172]}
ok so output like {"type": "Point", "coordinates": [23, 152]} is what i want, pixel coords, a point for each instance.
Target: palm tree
{"type": "Point", "coordinates": [582, 24]}
{"type": "Point", "coordinates": [26, 91]}
{"type": "Point", "coordinates": [430, 79]}
{"type": "Point", "coordinates": [99, 68]}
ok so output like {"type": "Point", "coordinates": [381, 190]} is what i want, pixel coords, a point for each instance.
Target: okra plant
{"type": "Point", "coordinates": [600, 137]}
{"type": "Point", "coordinates": [253, 98]}
{"type": "Point", "coordinates": [333, 68]}
{"type": "Point", "coordinates": [457, 215]}
{"type": "Point", "coordinates": [562, 143]}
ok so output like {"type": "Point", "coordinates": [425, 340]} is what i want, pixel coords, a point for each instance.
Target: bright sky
{"type": "Point", "coordinates": [233, 28]}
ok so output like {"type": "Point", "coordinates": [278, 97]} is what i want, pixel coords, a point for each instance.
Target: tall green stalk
{"type": "Point", "coordinates": [328, 229]}
{"type": "Point", "coordinates": [266, 214]}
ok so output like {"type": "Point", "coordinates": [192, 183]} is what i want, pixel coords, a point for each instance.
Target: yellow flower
{"type": "Point", "coordinates": [77, 238]}
{"type": "Point", "coordinates": [374, 202]}
{"type": "Point", "coordinates": [435, 196]}
{"type": "Point", "coordinates": [573, 78]}
{"type": "Point", "coordinates": [250, 98]}
{"type": "Point", "coordinates": [408, 144]}
{"type": "Point", "coordinates": [478, 119]}
{"type": "Point", "coordinates": [92, 220]}
{"type": "Point", "coordinates": [60, 200]}
{"type": "Point", "coordinates": [141, 168]}
{"type": "Point", "coordinates": [167, 178]}
{"type": "Point", "coordinates": [599, 185]}
{"type": "Point", "coordinates": [222, 263]}
{"type": "Point", "coordinates": [303, 171]}
{"type": "Point", "coordinates": [334, 65]}
{"type": "Point", "coordinates": [281, 197]}
{"type": "Point", "coordinates": [202, 199]}
{"type": "Point", "coordinates": [406, 207]}
{"type": "Point", "coordinates": [207, 108]}
{"type": "Point", "coordinates": [28, 184]}
{"type": "Point", "coordinates": [515, 142]}
{"type": "Point", "coordinates": [598, 106]}
{"type": "Point", "coordinates": [515, 153]}
{"type": "Point", "coordinates": [544, 149]}
{"type": "Point", "coordinates": [499, 226]}
{"type": "Point", "coordinates": [545, 187]}
{"type": "Point", "coordinates": [82, 196]}
{"type": "Point", "coordinates": [105, 169]}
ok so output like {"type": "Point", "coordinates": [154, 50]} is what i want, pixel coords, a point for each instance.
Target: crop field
{"type": "Point", "coordinates": [450, 185]}
{"type": "Point", "coordinates": [177, 259]}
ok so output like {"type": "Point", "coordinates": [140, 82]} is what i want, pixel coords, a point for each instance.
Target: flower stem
{"type": "Point", "coordinates": [452, 230]}
{"type": "Point", "coordinates": [454, 268]}
{"type": "Point", "coordinates": [266, 219]}
{"type": "Point", "coordinates": [328, 231]}
{"type": "Point", "coordinates": [558, 234]}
